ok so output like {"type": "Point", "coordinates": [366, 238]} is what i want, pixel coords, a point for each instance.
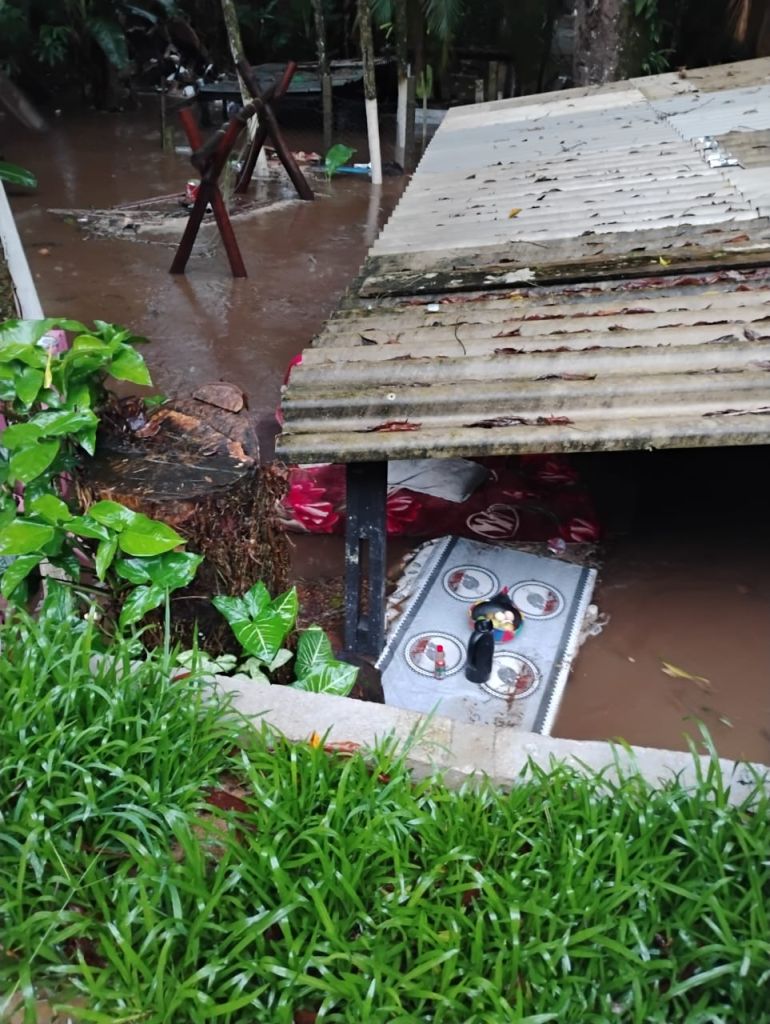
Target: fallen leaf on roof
{"type": "Point", "coordinates": [514, 212]}
{"type": "Point", "coordinates": [664, 262]}
{"type": "Point", "coordinates": [680, 673]}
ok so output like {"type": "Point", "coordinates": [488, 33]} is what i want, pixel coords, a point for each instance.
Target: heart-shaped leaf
{"type": "Point", "coordinates": [22, 537]}
{"type": "Point", "coordinates": [146, 536]}
{"type": "Point", "coordinates": [27, 463]}
{"type": "Point", "coordinates": [336, 678]}
{"type": "Point", "coordinates": [112, 514]}
{"type": "Point", "coordinates": [140, 601]}
{"type": "Point", "coordinates": [105, 553]}
{"type": "Point", "coordinates": [313, 651]}
{"type": "Point", "coordinates": [17, 571]}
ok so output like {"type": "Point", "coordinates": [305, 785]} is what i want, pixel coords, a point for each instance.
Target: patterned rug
{"type": "Point", "coordinates": [432, 606]}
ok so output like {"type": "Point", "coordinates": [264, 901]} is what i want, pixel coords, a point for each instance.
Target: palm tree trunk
{"type": "Point", "coordinates": [235, 43]}
{"type": "Point", "coordinates": [323, 72]}
{"type": "Point", "coordinates": [370, 89]}
{"type": "Point", "coordinates": [602, 34]}
{"type": "Point", "coordinates": [402, 61]}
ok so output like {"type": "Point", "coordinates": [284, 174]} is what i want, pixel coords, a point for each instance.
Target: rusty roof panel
{"type": "Point", "coordinates": [548, 369]}
{"type": "Point", "coordinates": [532, 291]}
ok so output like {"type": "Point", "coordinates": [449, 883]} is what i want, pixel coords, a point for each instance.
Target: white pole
{"type": "Point", "coordinates": [403, 92]}
{"type": "Point", "coordinates": [373, 132]}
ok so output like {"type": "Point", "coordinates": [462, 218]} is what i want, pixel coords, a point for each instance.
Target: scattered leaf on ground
{"type": "Point", "coordinates": [679, 673]}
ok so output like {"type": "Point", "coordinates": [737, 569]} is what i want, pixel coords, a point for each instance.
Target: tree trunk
{"type": "Point", "coordinates": [605, 39]}
{"type": "Point", "coordinates": [370, 89]}
{"type": "Point", "coordinates": [195, 466]}
{"type": "Point", "coordinates": [402, 61]}
{"type": "Point", "coordinates": [233, 29]}
{"type": "Point", "coordinates": [323, 72]}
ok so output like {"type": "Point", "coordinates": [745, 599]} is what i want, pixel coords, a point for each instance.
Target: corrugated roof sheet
{"type": "Point", "coordinates": [547, 283]}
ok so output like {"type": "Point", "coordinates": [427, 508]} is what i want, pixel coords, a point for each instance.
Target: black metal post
{"type": "Point", "coordinates": [365, 557]}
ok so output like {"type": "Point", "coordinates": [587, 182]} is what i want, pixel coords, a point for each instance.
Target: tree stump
{"type": "Point", "coordinates": [195, 465]}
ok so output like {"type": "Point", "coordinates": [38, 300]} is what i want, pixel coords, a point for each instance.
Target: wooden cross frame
{"type": "Point", "coordinates": [210, 158]}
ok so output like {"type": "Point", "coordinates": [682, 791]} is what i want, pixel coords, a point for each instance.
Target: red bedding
{"type": "Point", "coordinates": [526, 498]}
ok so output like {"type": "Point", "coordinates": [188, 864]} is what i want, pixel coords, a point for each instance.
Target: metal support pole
{"type": "Point", "coordinates": [365, 557]}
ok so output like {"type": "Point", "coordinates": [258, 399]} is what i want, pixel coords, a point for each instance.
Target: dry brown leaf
{"type": "Point", "coordinates": [514, 212]}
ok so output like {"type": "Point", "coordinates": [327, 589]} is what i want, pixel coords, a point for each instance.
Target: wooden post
{"type": "Point", "coordinates": [323, 72]}
{"type": "Point", "coordinates": [370, 89]}
{"type": "Point", "coordinates": [365, 549]}
{"type": "Point", "coordinates": [402, 60]}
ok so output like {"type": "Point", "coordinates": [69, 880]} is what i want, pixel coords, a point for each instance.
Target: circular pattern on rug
{"type": "Point", "coordinates": [514, 677]}
{"type": "Point", "coordinates": [420, 653]}
{"type": "Point", "coordinates": [537, 600]}
{"type": "Point", "coordinates": [470, 583]}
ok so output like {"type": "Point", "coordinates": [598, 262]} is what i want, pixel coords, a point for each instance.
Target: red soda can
{"type": "Point", "coordinates": [191, 191]}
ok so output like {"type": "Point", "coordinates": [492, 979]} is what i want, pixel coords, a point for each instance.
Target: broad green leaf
{"type": "Point", "coordinates": [109, 37]}
{"type": "Point", "coordinates": [17, 571]}
{"type": "Point", "coordinates": [201, 661]}
{"type": "Point", "coordinates": [172, 570]}
{"type": "Point", "coordinates": [336, 678]}
{"type": "Point", "coordinates": [286, 607]}
{"type": "Point", "coordinates": [22, 537]}
{"type": "Point", "coordinates": [69, 563]}
{"type": "Point", "coordinates": [30, 332]}
{"type": "Point", "coordinates": [252, 667]}
{"type": "Point", "coordinates": [89, 343]}
{"type": "Point", "coordinates": [16, 175]}
{"type": "Point", "coordinates": [113, 514]}
{"type": "Point", "coordinates": [263, 637]}
{"type": "Point", "coordinates": [24, 352]}
{"type": "Point", "coordinates": [27, 463]}
{"type": "Point", "coordinates": [87, 441]}
{"type": "Point", "coordinates": [50, 508]}
{"type": "Point", "coordinates": [58, 603]}
{"type": "Point", "coordinates": [337, 157]}
{"type": "Point", "coordinates": [256, 599]}
{"type": "Point", "coordinates": [64, 421]}
{"type": "Point", "coordinates": [313, 651]}
{"type": "Point", "coordinates": [139, 602]}
{"type": "Point", "coordinates": [281, 658]}
{"type": "Point", "coordinates": [28, 384]}
{"type": "Point", "coordinates": [130, 366]}
{"type": "Point", "coordinates": [148, 537]}
{"type": "Point", "coordinates": [18, 435]}
{"type": "Point", "coordinates": [132, 569]}
{"type": "Point", "coordinates": [8, 509]}
{"type": "Point", "coordinates": [85, 526]}
{"type": "Point", "coordinates": [105, 552]}
{"type": "Point", "coordinates": [233, 608]}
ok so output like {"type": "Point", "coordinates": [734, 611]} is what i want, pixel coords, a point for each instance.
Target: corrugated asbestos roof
{"type": "Point", "coordinates": [581, 271]}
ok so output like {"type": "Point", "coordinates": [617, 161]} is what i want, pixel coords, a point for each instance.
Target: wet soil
{"type": "Point", "coordinates": [686, 565]}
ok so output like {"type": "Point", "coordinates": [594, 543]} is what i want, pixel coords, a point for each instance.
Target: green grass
{"type": "Point", "coordinates": [343, 889]}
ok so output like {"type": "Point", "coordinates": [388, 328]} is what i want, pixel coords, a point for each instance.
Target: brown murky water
{"type": "Point", "coordinates": [686, 571]}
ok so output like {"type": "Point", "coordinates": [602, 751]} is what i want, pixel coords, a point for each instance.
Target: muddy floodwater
{"type": "Point", "coordinates": [685, 570]}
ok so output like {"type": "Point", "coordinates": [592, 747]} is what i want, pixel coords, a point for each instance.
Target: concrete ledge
{"type": "Point", "coordinates": [462, 752]}
{"type": "Point", "coordinates": [27, 298]}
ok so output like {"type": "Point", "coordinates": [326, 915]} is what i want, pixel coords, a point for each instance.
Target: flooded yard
{"type": "Point", "coordinates": [685, 576]}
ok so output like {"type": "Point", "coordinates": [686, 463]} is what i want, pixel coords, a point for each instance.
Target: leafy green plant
{"type": "Point", "coordinates": [50, 403]}
{"type": "Point", "coordinates": [336, 157]}
{"type": "Point", "coordinates": [340, 888]}
{"type": "Point", "coordinates": [261, 626]}
{"type": "Point", "coordinates": [15, 175]}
